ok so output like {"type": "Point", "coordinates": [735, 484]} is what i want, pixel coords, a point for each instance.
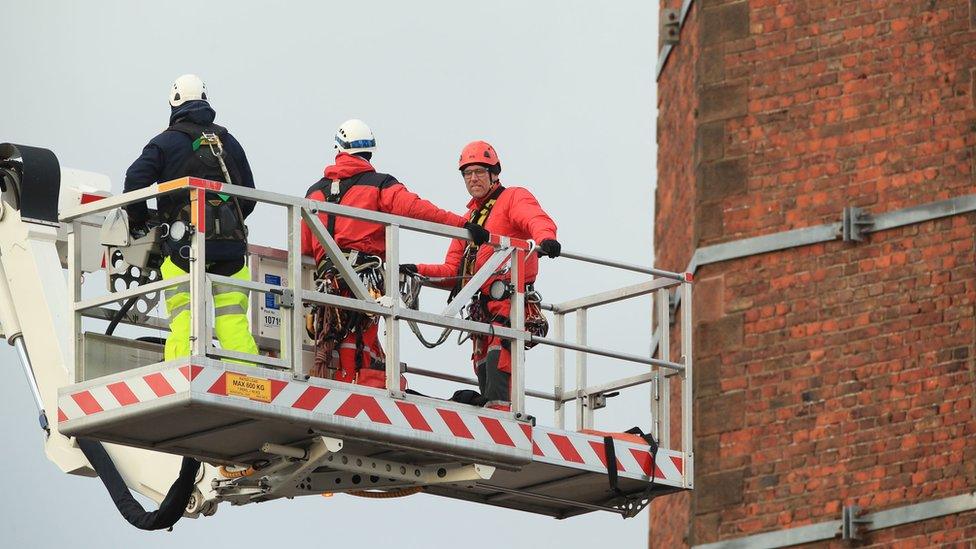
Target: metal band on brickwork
{"type": "Point", "coordinates": [806, 236]}
{"type": "Point", "coordinates": [832, 231]}
{"type": "Point", "coordinates": [836, 528]}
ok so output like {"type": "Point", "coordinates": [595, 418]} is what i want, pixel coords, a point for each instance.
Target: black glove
{"type": "Point", "coordinates": [408, 269]}
{"type": "Point", "coordinates": [550, 247]}
{"type": "Point", "coordinates": [478, 233]}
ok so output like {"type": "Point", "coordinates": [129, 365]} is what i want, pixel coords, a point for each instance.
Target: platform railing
{"type": "Point", "coordinates": [509, 252]}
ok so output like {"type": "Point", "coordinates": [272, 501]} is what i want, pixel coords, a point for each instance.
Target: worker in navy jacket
{"type": "Point", "coordinates": [193, 146]}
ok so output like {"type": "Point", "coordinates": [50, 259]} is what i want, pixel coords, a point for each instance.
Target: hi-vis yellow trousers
{"type": "Point", "coordinates": [230, 315]}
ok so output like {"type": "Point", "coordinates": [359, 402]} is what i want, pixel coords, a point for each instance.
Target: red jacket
{"type": "Point", "coordinates": [390, 197]}
{"type": "Point", "coordinates": [516, 213]}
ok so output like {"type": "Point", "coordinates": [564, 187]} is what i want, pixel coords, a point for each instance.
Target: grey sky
{"type": "Point", "coordinates": [563, 89]}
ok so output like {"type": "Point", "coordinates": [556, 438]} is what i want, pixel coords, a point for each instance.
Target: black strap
{"type": "Point", "coordinates": [193, 130]}
{"type": "Point", "coordinates": [369, 179]}
{"type": "Point", "coordinates": [359, 350]}
{"type": "Point", "coordinates": [611, 456]}
{"type": "Point", "coordinates": [173, 505]}
{"type": "Point", "coordinates": [336, 198]}
{"type": "Point", "coordinates": [480, 216]}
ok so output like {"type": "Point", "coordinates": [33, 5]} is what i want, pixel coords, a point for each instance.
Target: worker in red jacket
{"type": "Point", "coordinates": [347, 343]}
{"type": "Point", "coordinates": [506, 211]}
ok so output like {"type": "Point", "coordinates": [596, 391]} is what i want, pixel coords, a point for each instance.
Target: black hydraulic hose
{"type": "Point", "coordinates": [121, 313]}
{"type": "Point", "coordinates": [124, 309]}
{"type": "Point", "coordinates": [173, 505]}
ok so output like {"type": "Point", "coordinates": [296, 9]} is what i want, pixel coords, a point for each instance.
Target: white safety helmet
{"type": "Point", "coordinates": [188, 87]}
{"type": "Point", "coordinates": [354, 136]}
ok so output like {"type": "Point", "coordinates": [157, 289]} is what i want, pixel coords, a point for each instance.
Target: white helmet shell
{"type": "Point", "coordinates": [188, 87]}
{"type": "Point", "coordinates": [354, 136]}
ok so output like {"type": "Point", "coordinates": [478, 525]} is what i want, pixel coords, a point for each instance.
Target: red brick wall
{"type": "Point", "coordinates": [832, 374]}
{"type": "Point", "coordinates": [676, 146]}
{"type": "Point", "coordinates": [674, 202]}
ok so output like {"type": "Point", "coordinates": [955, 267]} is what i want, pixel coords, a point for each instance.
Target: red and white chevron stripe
{"type": "Point", "coordinates": [123, 393]}
{"type": "Point", "coordinates": [587, 451]}
{"type": "Point", "coordinates": [361, 406]}
{"type": "Point", "coordinates": [311, 396]}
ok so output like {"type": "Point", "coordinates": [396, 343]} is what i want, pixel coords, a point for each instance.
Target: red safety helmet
{"type": "Point", "coordinates": [480, 152]}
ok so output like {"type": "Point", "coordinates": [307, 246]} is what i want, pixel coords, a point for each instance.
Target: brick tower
{"type": "Point", "coordinates": [834, 365]}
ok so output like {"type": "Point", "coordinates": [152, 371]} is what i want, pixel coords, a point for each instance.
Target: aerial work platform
{"type": "Point", "coordinates": [267, 430]}
{"type": "Point", "coordinates": [225, 413]}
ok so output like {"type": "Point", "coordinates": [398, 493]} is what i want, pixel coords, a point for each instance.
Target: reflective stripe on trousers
{"type": "Point", "coordinates": [230, 315]}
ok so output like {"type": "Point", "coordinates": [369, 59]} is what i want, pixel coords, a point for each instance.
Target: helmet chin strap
{"type": "Point", "coordinates": [491, 188]}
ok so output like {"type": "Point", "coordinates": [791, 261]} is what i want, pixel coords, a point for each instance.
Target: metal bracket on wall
{"type": "Point", "coordinates": [666, 47]}
{"type": "Point", "coordinates": [670, 27]}
{"type": "Point", "coordinates": [851, 522]}
{"type": "Point", "coordinates": [855, 222]}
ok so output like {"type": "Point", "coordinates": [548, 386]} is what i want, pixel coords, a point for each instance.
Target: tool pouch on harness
{"type": "Point", "coordinates": [535, 322]}
{"type": "Point", "coordinates": [224, 217]}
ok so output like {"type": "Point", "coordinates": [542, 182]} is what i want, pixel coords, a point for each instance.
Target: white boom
{"type": "Point", "coordinates": [34, 319]}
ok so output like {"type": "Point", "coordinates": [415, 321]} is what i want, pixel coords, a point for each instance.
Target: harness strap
{"type": "Point", "coordinates": [337, 189]}
{"type": "Point", "coordinates": [470, 256]}
{"type": "Point", "coordinates": [224, 225]}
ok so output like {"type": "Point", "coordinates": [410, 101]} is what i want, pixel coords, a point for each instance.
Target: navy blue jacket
{"type": "Point", "coordinates": [161, 160]}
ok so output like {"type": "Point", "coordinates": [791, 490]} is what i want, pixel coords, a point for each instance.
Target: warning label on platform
{"type": "Point", "coordinates": [254, 388]}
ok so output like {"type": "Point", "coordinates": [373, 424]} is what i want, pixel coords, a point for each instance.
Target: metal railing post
{"type": "Point", "coordinates": [687, 381]}
{"type": "Point", "coordinates": [392, 291]}
{"type": "Point", "coordinates": [75, 350]}
{"type": "Point", "coordinates": [582, 408]}
{"type": "Point", "coordinates": [200, 336]}
{"type": "Point", "coordinates": [664, 378]}
{"type": "Point", "coordinates": [295, 325]}
{"type": "Point", "coordinates": [518, 323]}
{"type": "Point", "coordinates": [655, 389]}
{"type": "Point", "coordinates": [559, 368]}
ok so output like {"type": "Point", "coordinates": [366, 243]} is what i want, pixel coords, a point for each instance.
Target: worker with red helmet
{"type": "Point", "coordinates": [347, 342]}
{"type": "Point", "coordinates": [506, 211]}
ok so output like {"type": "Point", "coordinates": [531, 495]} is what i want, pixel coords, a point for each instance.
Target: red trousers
{"type": "Point", "coordinates": [372, 371]}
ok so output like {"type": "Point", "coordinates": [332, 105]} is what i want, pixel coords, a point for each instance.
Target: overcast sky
{"type": "Point", "coordinates": [563, 89]}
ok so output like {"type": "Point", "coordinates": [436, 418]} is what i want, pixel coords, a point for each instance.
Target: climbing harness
{"type": "Point", "coordinates": [328, 325]}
